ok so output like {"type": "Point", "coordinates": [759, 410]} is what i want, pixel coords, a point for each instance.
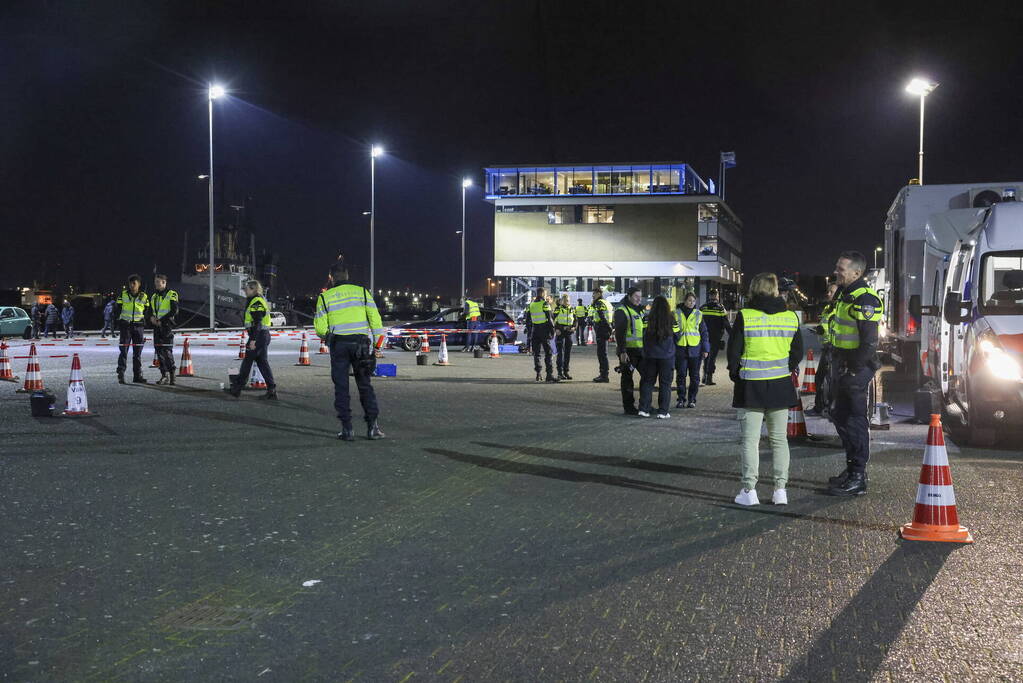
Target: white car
{"type": "Point", "coordinates": [277, 319]}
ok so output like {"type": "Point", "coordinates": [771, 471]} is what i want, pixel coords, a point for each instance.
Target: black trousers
{"type": "Point", "coordinates": [564, 341]}
{"type": "Point", "coordinates": [822, 375]}
{"type": "Point", "coordinates": [710, 362]}
{"type": "Point", "coordinates": [850, 417]}
{"type": "Point", "coordinates": [163, 342]}
{"type": "Point", "coordinates": [687, 366]}
{"type": "Point", "coordinates": [259, 357]}
{"type": "Point", "coordinates": [348, 356]}
{"type": "Point", "coordinates": [656, 370]}
{"type": "Point", "coordinates": [628, 399]}
{"type": "Point", "coordinates": [131, 335]}
{"type": "Point", "coordinates": [602, 352]}
{"type": "Point", "coordinates": [580, 331]}
{"type": "Point", "coordinates": [540, 343]}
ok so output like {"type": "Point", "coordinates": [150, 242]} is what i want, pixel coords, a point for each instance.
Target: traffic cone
{"type": "Point", "coordinates": [186, 369]}
{"type": "Point", "coordinates": [323, 347]}
{"type": "Point", "coordinates": [935, 517]}
{"type": "Point", "coordinates": [442, 354]}
{"type": "Point", "coordinates": [6, 374]}
{"type": "Point", "coordinates": [796, 428]}
{"type": "Point", "coordinates": [156, 360]}
{"type": "Point", "coordinates": [33, 375]}
{"type": "Point", "coordinates": [77, 402]}
{"type": "Point", "coordinates": [256, 380]}
{"type": "Point", "coordinates": [590, 337]}
{"type": "Point", "coordinates": [303, 353]}
{"type": "Point", "coordinates": [425, 346]}
{"type": "Point", "coordinates": [809, 375]}
{"type": "Point", "coordinates": [495, 349]}
{"type": "Point", "coordinates": [378, 350]}
{"type": "Point", "coordinates": [241, 347]}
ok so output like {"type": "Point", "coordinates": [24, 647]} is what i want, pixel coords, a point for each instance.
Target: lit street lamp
{"type": "Point", "coordinates": [215, 91]}
{"type": "Point", "coordinates": [877, 250]}
{"type": "Point", "coordinates": [374, 152]}
{"type": "Point", "coordinates": [922, 88]}
{"type": "Point", "coordinates": [466, 184]}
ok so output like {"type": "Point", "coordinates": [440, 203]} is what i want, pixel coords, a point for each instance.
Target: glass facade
{"type": "Point", "coordinates": [616, 179]}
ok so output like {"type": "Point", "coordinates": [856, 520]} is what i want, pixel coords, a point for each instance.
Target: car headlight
{"type": "Point", "coordinates": [998, 362]}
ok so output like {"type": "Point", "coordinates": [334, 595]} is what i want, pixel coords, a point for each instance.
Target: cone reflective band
{"type": "Point", "coordinates": [241, 348]}
{"type": "Point", "coordinates": [426, 343]}
{"type": "Point", "coordinates": [303, 353]}
{"type": "Point", "coordinates": [796, 428]}
{"type": "Point", "coordinates": [495, 350]}
{"type": "Point", "coordinates": [186, 369]}
{"type": "Point", "coordinates": [323, 347]}
{"type": "Point", "coordinates": [935, 517]}
{"type": "Point", "coordinates": [6, 373]}
{"type": "Point", "coordinates": [33, 375]}
{"type": "Point", "coordinates": [589, 336]}
{"type": "Point", "coordinates": [256, 380]}
{"type": "Point", "coordinates": [442, 354]}
{"type": "Point", "coordinates": [77, 403]}
{"type": "Point", "coordinates": [809, 375]}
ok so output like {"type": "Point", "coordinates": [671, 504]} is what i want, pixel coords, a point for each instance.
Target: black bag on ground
{"type": "Point", "coordinates": [42, 403]}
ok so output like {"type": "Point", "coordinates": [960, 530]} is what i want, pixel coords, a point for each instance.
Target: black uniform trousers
{"type": "Point", "coordinates": [258, 356]}
{"type": "Point", "coordinates": [850, 417]}
{"type": "Point", "coordinates": [687, 366]}
{"type": "Point", "coordinates": [580, 331]}
{"type": "Point", "coordinates": [540, 342]}
{"type": "Point", "coordinates": [628, 399]}
{"type": "Point", "coordinates": [132, 334]}
{"type": "Point", "coordinates": [163, 342]}
{"type": "Point", "coordinates": [564, 343]}
{"type": "Point", "coordinates": [822, 376]}
{"type": "Point", "coordinates": [602, 333]}
{"type": "Point", "coordinates": [351, 356]}
{"type": "Point", "coordinates": [710, 362]}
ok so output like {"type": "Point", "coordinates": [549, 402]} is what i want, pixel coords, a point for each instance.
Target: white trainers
{"type": "Point", "coordinates": [747, 497]}
{"type": "Point", "coordinates": [780, 497]}
{"type": "Point", "coordinates": [663, 416]}
{"type": "Point", "coordinates": [643, 413]}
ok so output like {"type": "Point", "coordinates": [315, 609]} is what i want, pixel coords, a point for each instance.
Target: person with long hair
{"type": "Point", "coordinates": [764, 349]}
{"type": "Point", "coordinates": [658, 361]}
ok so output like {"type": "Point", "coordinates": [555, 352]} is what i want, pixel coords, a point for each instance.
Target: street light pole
{"type": "Point", "coordinates": [374, 152]}
{"type": "Point", "coordinates": [214, 92]}
{"type": "Point", "coordinates": [466, 183]}
{"type": "Point", "coordinates": [922, 88]}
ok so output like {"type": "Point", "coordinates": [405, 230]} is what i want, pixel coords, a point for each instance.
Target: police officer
{"type": "Point", "coordinates": [540, 331]}
{"type": "Point", "coordinates": [471, 313]}
{"type": "Point", "coordinates": [347, 319]}
{"type": "Point", "coordinates": [716, 319]}
{"type": "Point", "coordinates": [130, 311]}
{"type": "Point", "coordinates": [822, 397]}
{"type": "Point", "coordinates": [257, 322]}
{"type": "Point", "coordinates": [858, 309]}
{"type": "Point", "coordinates": [628, 329]}
{"type": "Point", "coordinates": [600, 314]}
{"type": "Point", "coordinates": [690, 349]}
{"type": "Point", "coordinates": [581, 313]}
{"type": "Point", "coordinates": [564, 320]}
{"type": "Point", "coordinates": [164, 309]}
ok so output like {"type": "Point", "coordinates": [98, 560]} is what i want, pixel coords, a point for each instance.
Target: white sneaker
{"type": "Point", "coordinates": [643, 413]}
{"type": "Point", "coordinates": [747, 497]}
{"type": "Point", "coordinates": [780, 497]}
{"type": "Point", "coordinates": [663, 416]}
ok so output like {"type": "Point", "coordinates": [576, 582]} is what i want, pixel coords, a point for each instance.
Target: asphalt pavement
{"type": "Point", "coordinates": [504, 530]}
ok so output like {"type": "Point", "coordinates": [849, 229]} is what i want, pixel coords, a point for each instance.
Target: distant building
{"type": "Point", "coordinates": [657, 225]}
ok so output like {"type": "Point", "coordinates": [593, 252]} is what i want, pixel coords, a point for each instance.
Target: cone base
{"type": "Point", "coordinates": [927, 532]}
{"type": "Point", "coordinates": [438, 363]}
{"type": "Point", "coordinates": [28, 391]}
{"type": "Point", "coordinates": [185, 374]}
{"type": "Point", "coordinates": [10, 379]}
{"type": "Point", "coordinates": [303, 365]}
{"type": "Point", "coordinates": [82, 414]}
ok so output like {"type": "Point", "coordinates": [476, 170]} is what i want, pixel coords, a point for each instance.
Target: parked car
{"type": "Point", "coordinates": [277, 319]}
{"type": "Point", "coordinates": [14, 322]}
{"type": "Point", "coordinates": [449, 323]}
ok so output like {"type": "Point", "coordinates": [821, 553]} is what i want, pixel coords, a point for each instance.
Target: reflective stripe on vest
{"type": "Point", "coordinates": [133, 308]}
{"type": "Point", "coordinates": [564, 315]}
{"type": "Point", "coordinates": [600, 305]}
{"type": "Point", "coordinates": [474, 309]}
{"type": "Point", "coordinates": [713, 310]}
{"type": "Point", "coordinates": [845, 333]}
{"type": "Point", "coordinates": [538, 311]}
{"type": "Point", "coordinates": [346, 308]}
{"type": "Point", "coordinates": [161, 302]}
{"type": "Point", "coordinates": [634, 338]}
{"type": "Point", "coordinates": [689, 327]}
{"type": "Point", "coordinates": [580, 311]}
{"type": "Point", "coordinates": [257, 313]}
{"type": "Point", "coordinates": [767, 339]}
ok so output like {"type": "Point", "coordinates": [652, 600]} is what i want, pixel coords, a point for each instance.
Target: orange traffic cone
{"type": "Point", "coordinates": [442, 355]}
{"type": "Point", "coordinates": [256, 380]}
{"type": "Point", "coordinates": [186, 369]}
{"type": "Point", "coordinates": [796, 428]}
{"type": "Point", "coordinates": [495, 348]}
{"type": "Point", "coordinates": [935, 517]}
{"type": "Point", "coordinates": [241, 347]}
{"type": "Point", "coordinates": [33, 375]}
{"type": "Point", "coordinates": [323, 347]}
{"type": "Point", "coordinates": [156, 360]}
{"type": "Point", "coordinates": [590, 337]}
{"type": "Point", "coordinates": [809, 375]}
{"type": "Point", "coordinates": [425, 347]}
{"type": "Point", "coordinates": [378, 351]}
{"type": "Point", "coordinates": [77, 402]}
{"type": "Point", "coordinates": [303, 353]}
{"type": "Point", "coordinates": [6, 373]}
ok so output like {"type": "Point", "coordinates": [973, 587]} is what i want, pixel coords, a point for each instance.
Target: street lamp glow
{"type": "Point", "coordinates": [920, 87]}
{"type": "Point", "coordinates": [376, 151]}
{"type": "Point", "coordinates": [217, 91]}
{"type": "Point", "coordinates": [467, 182]}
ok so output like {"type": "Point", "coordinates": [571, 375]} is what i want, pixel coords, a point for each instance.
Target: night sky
{"type": "Point", "coordinates": [104, 120]}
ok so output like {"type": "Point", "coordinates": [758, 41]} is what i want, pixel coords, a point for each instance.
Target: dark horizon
{"type": "Point", "coordinates": [107, 132]}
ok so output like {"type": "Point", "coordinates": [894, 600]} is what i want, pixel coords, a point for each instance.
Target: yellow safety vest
{"type": "Point", "coordinates": [161, 302]}
{"type": "Point", "coordinates": [474, 309]}
{"type": "Point", "coordinates": [845, 333]}
{"type": "Point", "coordinates": [596, 308]}
{"type": "Point", "coordinates": [827, 313]}
{"type": "Point", "coordinates": [538, 311]}
{"type": "Point", "coordinates": [257, 313]}
{"type": "Point", "coordinates": [580, 311]}
{"type": "Point", "coordinates": [634, 338]}
{"type": "Point", "coordinates": [564, 316]}
{"type": "Point", "coordinates": [689, 327]}
{"type": "Point", "coordinates": [767, 339]}
{"type": "Point", "coordinates": [347, 310]}
{"type": "Point", "coordinates": [133, 308]}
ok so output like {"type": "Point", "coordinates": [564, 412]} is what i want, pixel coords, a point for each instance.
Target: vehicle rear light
{"type": "Point", "coordinates": [511, 324]}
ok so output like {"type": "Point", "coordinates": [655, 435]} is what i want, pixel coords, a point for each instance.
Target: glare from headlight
{"type": "Point", "coordinates": [1003, 366]}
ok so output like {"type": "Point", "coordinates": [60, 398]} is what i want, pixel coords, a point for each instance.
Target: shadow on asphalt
{"type": "Point", "coordinates": [285, 427]}
{"type": "Point", "coordinates": [856, 643]}
{"type": "Point", "coordinates": [761, 510]}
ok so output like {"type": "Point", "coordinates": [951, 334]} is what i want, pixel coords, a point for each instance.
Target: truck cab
{"type": "Point", "coordinates": [976, 346]}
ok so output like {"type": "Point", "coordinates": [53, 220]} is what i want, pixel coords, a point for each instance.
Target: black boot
{"type": "Point", "coordinates": [568, 376]}
{"type": "Point", "coordinates": [373, 432]}
{"type": "Point", "coordinates": [552, 379]}
{"type": "Point", "coordinates": [538, 377]}
{"type": "Point", "coordinates": [346, 433]}
{"type": "Point", "coordinates": [839, 479]}
{"type": "Point", "coordinates": [170, 378]}
{"type": "Point", "coordinates": [270, 395]}
{"type": "Point", "coordinates": [120, 378]}
{"type": "Point", "coordinates": [601, 379]}
{"type": "Point", "coordinates": [139, 379]}
{"type": "Point", "coordinates": [709, 381]}
{"type": "Point", "coordinates": [855, 485]}
{"type": "Point", "coordinates": [163, 378]}
{"type": "Point", "coordinates": [235, 390]}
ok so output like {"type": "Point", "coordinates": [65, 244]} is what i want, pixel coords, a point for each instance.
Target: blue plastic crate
{"type": "Point", "coordinates": [508, 348]}
{"type": "Point", "coordinates": [386, 370]}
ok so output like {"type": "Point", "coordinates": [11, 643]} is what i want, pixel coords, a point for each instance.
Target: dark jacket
{"type": "Point", "coordinates": [67, 315]}
{"type": "Point", "coordinates": [770, 393]}
{"type": "Point", "coordinates": [51, 314]}
{"type": "Point", "coordinates": [621, 323]}
{"type": "Point", "coordinates": [658, 348]}
{"type": "Point", "coordinates": [704, 345]}
{"type": "Point", "coordinates": [717, 325]}
{"type": "Point", "coordinates": [854, 360]}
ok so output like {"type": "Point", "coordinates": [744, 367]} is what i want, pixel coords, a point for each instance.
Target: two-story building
{"type": "Point", "coordinates": [658, 225]}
